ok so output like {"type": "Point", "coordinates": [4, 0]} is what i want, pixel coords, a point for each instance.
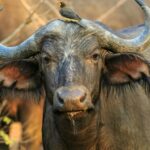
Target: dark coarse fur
{"type": "Point", "coordinates": [125, 114]}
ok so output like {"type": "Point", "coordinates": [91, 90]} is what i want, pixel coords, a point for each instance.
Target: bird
{"type": "Point", "coordinates": [68, 13]}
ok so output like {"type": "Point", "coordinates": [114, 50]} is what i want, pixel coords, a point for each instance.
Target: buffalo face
{"type": "Point", "coordinates": [72, 65]}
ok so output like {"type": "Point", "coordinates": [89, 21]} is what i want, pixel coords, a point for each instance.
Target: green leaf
{"type": "Point", "coordinates": [5, 137]}
{"type": "Point", "coordinates": [7, 120]}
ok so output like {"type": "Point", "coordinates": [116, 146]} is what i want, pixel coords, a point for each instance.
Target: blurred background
{"type": "Point", "coordinates": [20, 122]}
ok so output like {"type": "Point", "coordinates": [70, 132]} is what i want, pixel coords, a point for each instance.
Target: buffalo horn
{"type": "Point", "coordinates": [112, 41]}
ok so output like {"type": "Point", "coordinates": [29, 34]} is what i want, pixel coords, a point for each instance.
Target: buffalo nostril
{"type": "Point", "coordinates": [82, 98]}
{"type": "Point", "coordinates": [61, 101]}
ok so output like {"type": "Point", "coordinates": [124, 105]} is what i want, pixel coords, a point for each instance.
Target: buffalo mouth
{"type": "Point", "coordinates": [75, 113]}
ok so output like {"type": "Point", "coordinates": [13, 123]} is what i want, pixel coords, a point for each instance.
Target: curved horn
{"type": "Point", "coordinates": [112, 41]}
{"type": "Point", "coordinates": [25, 49]}
{"type": "Point", "coordinates": [31, 46]}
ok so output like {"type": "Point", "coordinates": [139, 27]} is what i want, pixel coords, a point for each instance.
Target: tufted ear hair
{"type": "Point", "coordinates": [20, 78]}
{"type": "Point", "coordinates": [123, 68]}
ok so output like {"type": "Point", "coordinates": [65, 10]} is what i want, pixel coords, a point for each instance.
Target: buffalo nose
{"type": "Point", "coordinates": [71, 98]}
{"type": "Point", "coordinates": [72, 95]}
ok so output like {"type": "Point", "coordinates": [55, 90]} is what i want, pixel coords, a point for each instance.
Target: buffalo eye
{"type": "Point", "coordinates": [95, 56]}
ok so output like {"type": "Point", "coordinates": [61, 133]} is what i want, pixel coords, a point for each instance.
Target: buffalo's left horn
{"type": "Point", "coordinates": [110, 40]}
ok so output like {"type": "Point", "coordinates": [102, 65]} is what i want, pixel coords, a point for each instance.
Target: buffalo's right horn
{"type": "Point", "coordinates": [31, 46]}
{"type": "Point", "coordinates": [25, 49]}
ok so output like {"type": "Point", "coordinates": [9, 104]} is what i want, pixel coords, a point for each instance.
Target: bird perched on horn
{"type": "Point", "coordinates": [69, 14]}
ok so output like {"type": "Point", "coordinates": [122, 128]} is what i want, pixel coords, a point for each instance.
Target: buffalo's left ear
{"type": "Point", "coordinates": [123, 68]}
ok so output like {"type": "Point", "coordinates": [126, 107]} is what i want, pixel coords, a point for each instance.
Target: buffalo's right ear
{"type": "Point", "coordinates": [126, 67]}
{"type": "Point", "coordinates": [20, 78]}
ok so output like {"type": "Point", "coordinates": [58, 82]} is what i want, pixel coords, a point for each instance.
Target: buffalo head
{"type": "Point", "coordinates": [88, 73]}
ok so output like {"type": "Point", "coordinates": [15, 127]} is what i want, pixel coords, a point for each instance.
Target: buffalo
{"type": "Point", "coordinates": [96, 82]}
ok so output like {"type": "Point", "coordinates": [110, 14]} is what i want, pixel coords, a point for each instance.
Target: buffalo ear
{"type": "Point", "coordinates": [123, 68]}
{"type": "Point", "coordinates": [20, 77]}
